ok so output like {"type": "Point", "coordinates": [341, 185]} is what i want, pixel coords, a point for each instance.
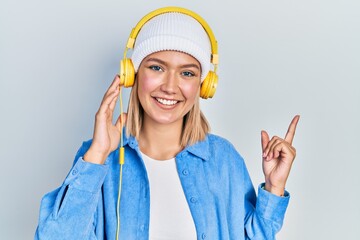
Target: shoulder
{"type": "Point", "coordinates": [222, 154]}
{"type": "Point", "coordinates": [216, 148]}
{"type": "Point", "coordinates": [222, 144]}
{"type": "Point", "coordinates": [213, 138]}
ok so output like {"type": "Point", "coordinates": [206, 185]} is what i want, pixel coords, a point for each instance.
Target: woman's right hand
{"type": "Point", "coordinates": [106, 136]}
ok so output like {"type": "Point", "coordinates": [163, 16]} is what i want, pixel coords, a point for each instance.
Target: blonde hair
{"type": "Point", "coordinates": [195, 126]}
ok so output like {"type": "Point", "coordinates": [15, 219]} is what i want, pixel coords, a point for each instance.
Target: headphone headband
{"type": "Point", "coordinates": [135, 31]}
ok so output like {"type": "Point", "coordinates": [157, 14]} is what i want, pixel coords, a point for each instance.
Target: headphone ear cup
{"type": "Point", "coordinates": [127, 73]}
{"type": "Point", "coordinates": [208, 86]}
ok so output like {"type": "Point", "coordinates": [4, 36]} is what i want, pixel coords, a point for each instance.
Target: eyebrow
{"type": "Point", "coordinates": [190, 65]}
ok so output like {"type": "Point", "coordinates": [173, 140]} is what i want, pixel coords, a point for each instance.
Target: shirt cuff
{"type": "Point", "coordinates": [86, 176]}
{"type": "Point", "coordinates": [271, 206]}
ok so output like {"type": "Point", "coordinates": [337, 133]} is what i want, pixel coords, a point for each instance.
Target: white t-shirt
{"type": "Point", "coordinates": [170, 217]}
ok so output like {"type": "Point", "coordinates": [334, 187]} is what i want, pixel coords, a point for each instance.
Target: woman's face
{"type": "Point", "coordinates": [169, 85]}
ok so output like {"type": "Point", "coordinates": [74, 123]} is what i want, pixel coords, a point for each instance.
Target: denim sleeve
{"type": "Point", "coordinates": [264, 213]}
{"type": "Point", "coordinates": [265, 217]}
{"type": "Point", "coordinates": [68, 212]}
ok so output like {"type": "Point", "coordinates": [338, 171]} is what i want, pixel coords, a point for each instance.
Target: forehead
{"type": "Point", "coordinates": [174, 57]}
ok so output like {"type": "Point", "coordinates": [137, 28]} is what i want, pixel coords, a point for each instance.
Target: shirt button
{"type": "Point", "coordinates": [203, 236]}
{"type": "Point", "coordinates": [142, 227]}
{"type": "Point", "coordinates": [185, 172]}
{"type": "Point", "coordinates": [74, 172]}
{"type": "Point", "coordinates": [193, 199]}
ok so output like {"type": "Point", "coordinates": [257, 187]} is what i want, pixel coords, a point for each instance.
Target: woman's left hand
{"type": "Point", "coordinates": [278, 156]}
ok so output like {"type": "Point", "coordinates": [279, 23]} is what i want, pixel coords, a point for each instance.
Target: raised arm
{"type": "Point", "coordinates": [278, 157]}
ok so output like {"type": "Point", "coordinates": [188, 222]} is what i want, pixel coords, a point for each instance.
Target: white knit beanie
{"type": "Point", "coordinates": [173, 31]}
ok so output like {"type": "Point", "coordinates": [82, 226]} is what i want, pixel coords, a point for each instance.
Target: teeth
{"type": "Point", "coordinates": [166, 102]}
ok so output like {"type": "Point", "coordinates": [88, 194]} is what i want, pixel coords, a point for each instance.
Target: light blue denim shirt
{"type": "Point", "coordinates": [216, 184]}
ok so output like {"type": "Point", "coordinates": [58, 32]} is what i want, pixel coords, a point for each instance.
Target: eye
{"type": "Point", "coordinates": [188, 74]}
{"type": "Point", "coordinates": [155, 68]}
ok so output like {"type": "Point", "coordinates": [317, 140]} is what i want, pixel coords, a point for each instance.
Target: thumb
{"type": "Point", "coordinates": [120, 122]}
{"type": "Point", "coordinates": [264, 139]}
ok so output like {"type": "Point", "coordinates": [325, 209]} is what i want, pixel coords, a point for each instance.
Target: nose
{"type": "Point", "coordinates": [170, 83]}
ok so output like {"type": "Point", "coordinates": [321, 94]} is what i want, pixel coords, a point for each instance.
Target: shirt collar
{"type": "Point", "coordinates": [200, 149]}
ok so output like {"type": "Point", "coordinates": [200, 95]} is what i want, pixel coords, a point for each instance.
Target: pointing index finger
{"type": "Point", "coordinates": [291, 130]}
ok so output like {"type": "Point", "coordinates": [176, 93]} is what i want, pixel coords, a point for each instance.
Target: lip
{"type": "Point", "coordinates": [166, 103]}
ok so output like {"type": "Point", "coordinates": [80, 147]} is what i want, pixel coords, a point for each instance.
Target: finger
{"type": "Point", "coordinates": [108, 100]}
{"type": "Point", "coordinates": [277, 149]}
{"type": "Point", "coordinates": [268, 151]}
{"type": "Point", "coordinates": [120, 122]}
{"type": "Point", "coordinates": [114, 85]}
{"type": "Point", "coordinates": [264, 140]}
{"type": "Point", "coordinates": [112, 105]}
{"type": "Point", "coordinates": [114, 99]}
{"type": "Point", "coordinates": [284, 149]}
{"type": "Point", "coordinates": [291, 130]}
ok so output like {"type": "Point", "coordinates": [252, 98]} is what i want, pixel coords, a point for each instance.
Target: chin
{"type": "Point", "coordinates": [166, 119]}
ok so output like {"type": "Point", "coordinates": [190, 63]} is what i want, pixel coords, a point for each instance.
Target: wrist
{"type": "Point", "coordinates": [94, 156]}
{"type": "Point", "coordinates": [276, 190]}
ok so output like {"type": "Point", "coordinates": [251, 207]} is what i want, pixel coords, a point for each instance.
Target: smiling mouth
{"type": "Point", "coordinates": [166, 101]}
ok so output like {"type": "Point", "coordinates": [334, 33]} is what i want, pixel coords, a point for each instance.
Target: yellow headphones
{"type": "Point", "coordinates": [127, 71]}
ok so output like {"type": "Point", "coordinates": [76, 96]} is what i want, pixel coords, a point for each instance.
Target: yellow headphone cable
{"type": "Point", "coordinates": [121, 162]}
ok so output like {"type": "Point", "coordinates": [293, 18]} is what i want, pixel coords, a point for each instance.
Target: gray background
{"type": "Point", "coordinates": [277, 59]}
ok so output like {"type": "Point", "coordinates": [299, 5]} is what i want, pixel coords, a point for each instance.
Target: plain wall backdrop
{"type": "Point", "coordinates": [277, 59]}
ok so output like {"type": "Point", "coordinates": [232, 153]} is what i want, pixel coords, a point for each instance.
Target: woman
{"type": "Point", "coordinates": [178, 181]}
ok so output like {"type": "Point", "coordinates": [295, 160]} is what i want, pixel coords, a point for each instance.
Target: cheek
{"type": "Point", "coordinates": [146, 84]}
{"type": "Point", "coordinates": [191, 91]}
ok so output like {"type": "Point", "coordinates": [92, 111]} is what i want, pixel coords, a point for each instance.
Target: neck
{"type": "Point", "coordinates": [160, 141]}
